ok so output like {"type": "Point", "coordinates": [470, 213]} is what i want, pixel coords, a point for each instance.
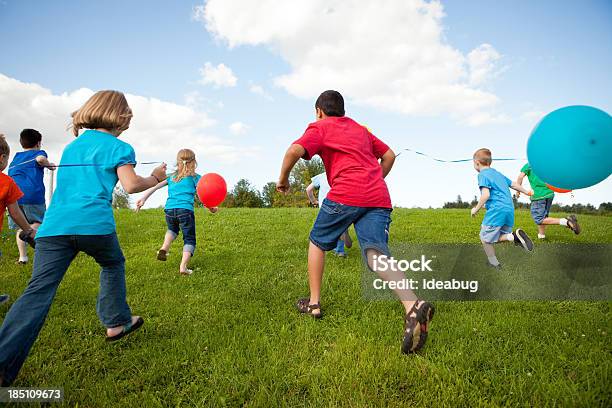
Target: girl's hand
{"type": "Point", "coordinates": [474, 211]}
{"type": "Point", "coordinates": [140, 203]}
{"type": "Point", "coordinates": [213, 209]}
{"type": "Point", "coordinates": [160, 172]}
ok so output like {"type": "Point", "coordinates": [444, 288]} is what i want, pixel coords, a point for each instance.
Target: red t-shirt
{"type": "Point", "coordinates": [9, 194]}
{"type": "Point", "coordinates": [350, 154]}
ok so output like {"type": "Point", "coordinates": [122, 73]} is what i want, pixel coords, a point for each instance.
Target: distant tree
{"type": "Point", "coordinates": [121, 199]}
{"type": "Point", "coordinates": [459, 203]}
{"type": "Point", "coordinates": [605, 208]}
{"type": "Point", "coordinates": [243, 195]}
{"type": "Point", "coordinates": [304, 171]}
{"type": "Point", "coordinates": [269, 194]}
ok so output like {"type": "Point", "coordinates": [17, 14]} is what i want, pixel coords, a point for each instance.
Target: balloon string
{"type": "Point", "coordinates": [458, 160]}
{"type": "Point", "coordinates": [79, 164]}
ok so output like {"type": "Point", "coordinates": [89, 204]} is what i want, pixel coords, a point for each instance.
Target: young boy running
{"type": "Point", "coordinates": [495, 197]}
{"type": "Point", "coordinates": [27, 169]}
{"type": "Point", "coordinates": [358, 196]}
{"type": "Point", "coordinates": [320, 181]}
{"type": "Point", "coordinates": [541, 201]}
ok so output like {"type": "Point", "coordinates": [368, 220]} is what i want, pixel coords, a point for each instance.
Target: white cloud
{"type": "Point", "coordinates": [238, 128]}
{"type": "Point", "coordinates": [391, 55]}
{"type": "Point", "coordinates": [157, 131]}
{"type": "Point", "coordinates": [482, 63]}
{"type": "Point", "coordinates": [219, 76]}
{"type": "Point", "coordinates": [258, 90]}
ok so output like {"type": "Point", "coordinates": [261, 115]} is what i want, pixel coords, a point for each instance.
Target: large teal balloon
{"type": "Point", "coordinates": [571, 147]}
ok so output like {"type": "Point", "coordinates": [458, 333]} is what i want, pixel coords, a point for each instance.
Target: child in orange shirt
{"type": "Point", "coordinates": [9, 194]}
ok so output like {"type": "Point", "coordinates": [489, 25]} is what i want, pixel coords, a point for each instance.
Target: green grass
{"type": "Point", "coordinates": [229, 335]}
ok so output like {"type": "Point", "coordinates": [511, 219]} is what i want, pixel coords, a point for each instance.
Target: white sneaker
{"type": "Point", "coordinates": [186, 272]}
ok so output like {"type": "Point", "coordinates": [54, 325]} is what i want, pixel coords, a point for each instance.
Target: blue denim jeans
{"type": "Point", "coordinates": [339, 247]}
{"type": "Point", "coordinates": [540, 209]}
{"type": "Point", "coordinates": [371, 226]}
{"type": "Point", "coordinates": [52, 258]}
{"type": "Point", "coordinates": [180, 219]}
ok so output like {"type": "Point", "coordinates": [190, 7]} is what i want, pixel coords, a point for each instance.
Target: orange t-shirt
{"type": "Point", "coordinates": [9, 193]}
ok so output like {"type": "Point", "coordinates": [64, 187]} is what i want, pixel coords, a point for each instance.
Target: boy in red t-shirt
{"type": "Point", "coordinates": [358, 196]}
{"type": "Point", "coordinates": [9, 194]}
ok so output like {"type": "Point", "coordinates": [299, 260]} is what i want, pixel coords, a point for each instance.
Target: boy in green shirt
{"type": "Point", "coordinates": [541, 201]}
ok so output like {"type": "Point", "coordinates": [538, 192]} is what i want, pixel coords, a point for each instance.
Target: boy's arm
{"type": "Point", "coordinates": [518, 187]}
{"type": "Point", "coordinates": [44, 162]}
{"type": "Point", "coordinates": [17, 216]}
{"type": "Point", "coordinates": [310, 194]}
{"type": "Point", "coordinates": [484, 196]}
{"type": "Point", "coordinates": [293, 154]}
{"type": "Point", "coordinates": [519, 181]}
{"type": "Point", "coordinates": [149, 193]}
{"type": "Point", "coordinates": [133, 183]}
{"type": "Point", "coordinates": [386, 162]}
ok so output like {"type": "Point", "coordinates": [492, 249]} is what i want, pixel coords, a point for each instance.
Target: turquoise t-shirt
{"type": "Point", "coordinates": [82, 201]}
{"type": "Point", "coordinates": [181, 194]}
{"type": "Point", "coordinates": [500, 208]}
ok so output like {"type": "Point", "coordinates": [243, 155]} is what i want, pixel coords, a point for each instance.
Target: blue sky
{"type": "Point", "coordinates": [549, 54]}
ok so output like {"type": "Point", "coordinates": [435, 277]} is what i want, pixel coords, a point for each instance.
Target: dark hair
{"type": "Point", "coordinates": [331, 103]}
{"type": "Point", "coordinates": [29, 138]}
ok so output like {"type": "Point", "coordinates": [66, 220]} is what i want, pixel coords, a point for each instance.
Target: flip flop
{"type": "Point", "coordinates": [127, 329]}
{"type": "Point", "coordinates": [416, 327]}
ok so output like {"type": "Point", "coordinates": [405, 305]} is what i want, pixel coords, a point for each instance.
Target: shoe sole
{"type": "Point", "coordinates": [574, 220]}
{"type": "Point", "coordinates": [162, 255]}
{"type": "Point", "coordinates": [524, 240]}
{"type": "Point", "coordinates": [419, 336]}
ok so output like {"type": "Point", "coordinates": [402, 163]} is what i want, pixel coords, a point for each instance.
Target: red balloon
{"type": "Point", "coordinates": [557, 190]}
{"type": "Point", "coordinates": [212, 190]}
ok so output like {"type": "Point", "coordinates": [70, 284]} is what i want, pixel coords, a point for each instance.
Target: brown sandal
{"type": "Point", "coordinates": [304, 306]}
{"type": "Point", "coordinates": [416, 326]}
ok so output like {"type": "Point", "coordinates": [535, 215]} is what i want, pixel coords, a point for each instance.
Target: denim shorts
{"type": "Point", "coordinates": [180, 219]}
{"type": "Point", "coordinates": [490, 234]}
{"type": "Point", "coordinates": [371, 226]}
{"type": "Point", "coordinates": [540, 209]}
{"type": "Point", "coordinates": [34, 213]}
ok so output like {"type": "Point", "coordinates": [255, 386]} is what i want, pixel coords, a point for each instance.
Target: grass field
{"type": "Point", "coordinates": [229, 334]}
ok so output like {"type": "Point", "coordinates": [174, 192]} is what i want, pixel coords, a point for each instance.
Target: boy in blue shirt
{"type": "Point", "coordinates": [495, 197]}
{"type": "Point", "coordinates": [27, 169]}
{"type": "Point", "coordinates": [320, 181]}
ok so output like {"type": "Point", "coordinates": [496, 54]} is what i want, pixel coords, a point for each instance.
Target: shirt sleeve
{"type": "Point", "coordinates": [526, 169]}
{"type": "Point", "coordinates": [14, 193]}
{"type": "Point", "coordinates": [311, 141]}
{"type": "Point", "coordinates": [483, 181]}
{"type": "Point", "coordinates": [508, 181]}
{"type": "Point", "coordinates": [40, 153]}
{"type": "Point", "coordinates": [378, 146]}
{"type": "Point", "coordinates": [316, 181]}
{"type": "Point", "coordinates": [125, 155]}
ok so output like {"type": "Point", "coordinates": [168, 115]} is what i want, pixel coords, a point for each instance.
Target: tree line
{"type": "Point", "coordinates": [577, 208]}
{"type": "Point", "coordinates": [245, 194]}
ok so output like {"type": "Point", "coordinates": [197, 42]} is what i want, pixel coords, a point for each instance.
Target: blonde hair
{"type": "Point", "coordinates": [185, 164]}
{"type": "Point", "coordinates": [104, 110]}
{"type": "Point", "coordinates": [483, 156]}
{"type": "Point", "coordinates": [4, 147]}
